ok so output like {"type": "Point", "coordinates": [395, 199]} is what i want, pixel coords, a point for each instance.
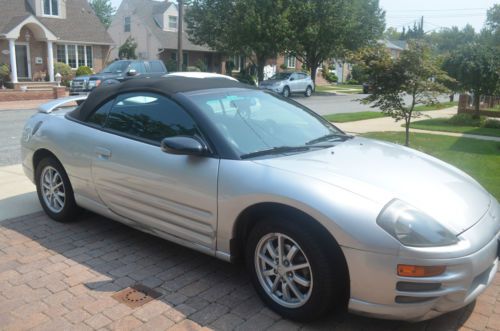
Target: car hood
{"type": "Point", "coordinates": [383, 171]}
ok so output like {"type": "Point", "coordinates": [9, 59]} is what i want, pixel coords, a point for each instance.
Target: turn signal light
{"type": "Point", "coordinates": [419, 271]}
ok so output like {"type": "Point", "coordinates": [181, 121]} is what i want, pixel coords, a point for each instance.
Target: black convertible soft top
{"type": "Point", "coordinates": [168, 86]}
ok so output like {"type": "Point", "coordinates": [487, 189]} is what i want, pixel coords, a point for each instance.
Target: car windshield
{"type": "Point", "coordinates": [282, 76]}
{"type": "Point", "coordinates": [116, 67]}
{"type": "Point", "coordinates": [257, 123]}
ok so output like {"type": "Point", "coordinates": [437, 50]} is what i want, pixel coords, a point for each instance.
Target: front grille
{"type": "Point", "coordinates": [417, 287]}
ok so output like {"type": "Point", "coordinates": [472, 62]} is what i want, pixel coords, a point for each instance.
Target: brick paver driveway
{"type": "Point", "coordinates": [62, 276]}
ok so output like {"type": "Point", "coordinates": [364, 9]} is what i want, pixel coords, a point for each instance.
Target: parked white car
{"type": "Point", "coordinates": [287, 83]}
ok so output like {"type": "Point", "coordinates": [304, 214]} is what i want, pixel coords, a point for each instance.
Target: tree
{"type": "Point", "coordinates": [415, 74]}
{"type": "Point", "coordinates": [392, 34]}
{"type": "Point", "coordinates": [321, 29]}
{"type": "Point", "coordinates": [447, 40]}
{"type": "Point", "coordinates": [127, 50]}
{"type": "Point", "coordinates": [104, 10]}
{"type": "Point", "coordinates": [476, 68]}
{"type": "Point", "coordinates": [257, 29]}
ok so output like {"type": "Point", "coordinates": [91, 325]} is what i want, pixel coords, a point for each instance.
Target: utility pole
{"type": "Point", "coordinates": [180, 21]}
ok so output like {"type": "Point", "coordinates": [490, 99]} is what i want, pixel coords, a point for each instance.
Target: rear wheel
{"type": "Point", "coordinates": [286, 92]}
{"type": "Point", "coordinates": [293, 272]}
{"type": "Point", "coordinates": [54, 190]}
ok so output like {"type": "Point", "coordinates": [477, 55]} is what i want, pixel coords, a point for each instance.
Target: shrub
{"type": "Point", "coordinates": [201, 65]}
{"type": "Point", "coordinates": [492, 124]}
{"type": "Point", "coordinates": [330, 77]}
{"type": "Point", "coordinates": [465, 119]}
{"type": "Point", "coordinates": [4, 73]}
{"type": "Point", "coordinates": [283, 66]}
{"type": "Point", "coordinates": [246, 78]}
{"type": "Point", "coordinates": [171, 65]}
{"type": "Point", "coordinates": [83, 71]}
{"type": "Point", "coordinates": [65, 71]}
{"type": "Point", "coordinates": [193, 69]}
{"type": "Point", "coordinates": [352, 82]}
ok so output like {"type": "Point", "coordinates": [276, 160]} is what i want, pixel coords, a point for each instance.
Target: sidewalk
{"type": "Point", "coordinates": [385, 124]}
{"type": "Point", "coordinates": [19, 105]}
{"type": "Point", "coordinates": [18, 195]}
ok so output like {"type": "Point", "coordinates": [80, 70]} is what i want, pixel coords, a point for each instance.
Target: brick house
{"type": "Point", "coordinates": [153, 25]}
{"type": "Point", "coordinates": [34, 34]}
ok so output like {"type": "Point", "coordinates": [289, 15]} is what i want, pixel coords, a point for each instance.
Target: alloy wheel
{"type": "Point", "coordinates": [53, 191]}
{"type": "Point", "coordinates": [283, 270]}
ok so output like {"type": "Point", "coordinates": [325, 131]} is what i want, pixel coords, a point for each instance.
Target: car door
{"type": "Point", "coordinates": [293, 82]}
{"type": "Point", "coordinates": [169, 194]}
{"type": "Point", "coordinates": [302, 82]}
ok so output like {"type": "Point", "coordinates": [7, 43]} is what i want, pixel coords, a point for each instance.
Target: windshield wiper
{"type": "Point", "coordinates": [328, 137]}
{"type": "Point", "coordinates": [281, 150]}
{"type": "Point", "coordinates": [277, 150]}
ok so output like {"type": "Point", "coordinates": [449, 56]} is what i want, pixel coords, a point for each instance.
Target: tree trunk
{"type": "Point", "coordinates": [477, 100]}
{"type": "Point", "coordinates": [452, 97]}
{"type": "Point", "coordinates": [261, 63]}
{"type": "Point", "coordinates": [407, 132]}
{"type": "Point", "coordinates": [314, 70]}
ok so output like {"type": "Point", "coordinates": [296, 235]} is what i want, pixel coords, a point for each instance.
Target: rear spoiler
{"type": "Point", "coordinates": [48, 107]}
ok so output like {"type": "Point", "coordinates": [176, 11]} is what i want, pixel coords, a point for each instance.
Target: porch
{"type": "Point", "coordinates": [28, 49]}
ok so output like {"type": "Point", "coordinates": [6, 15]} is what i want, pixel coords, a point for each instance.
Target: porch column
{"type": "Point", "coordinates": [13, 63]}
{"type": "Point", "coordinates": [50, 60]}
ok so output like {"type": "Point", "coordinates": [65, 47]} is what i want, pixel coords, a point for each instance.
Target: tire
{"type": "Point", "coordinates": [326, 274]}
{"type": "Point", "coordinates": [308, 91]}
{"type": "Point", "coordinates": [57, 199]}
{"type": "Point", "coordinates": [286, 92]}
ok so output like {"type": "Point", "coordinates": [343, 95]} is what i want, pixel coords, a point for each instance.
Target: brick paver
{"type": "Point", "coordinates": [57, 276]}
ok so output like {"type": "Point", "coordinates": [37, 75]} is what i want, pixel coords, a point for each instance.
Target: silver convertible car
{"type": "Point", "coordinates": [324, 221]}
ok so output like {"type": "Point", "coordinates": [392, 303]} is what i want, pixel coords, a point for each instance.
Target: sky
{"type": "Point", "coordinates": [437, 13]}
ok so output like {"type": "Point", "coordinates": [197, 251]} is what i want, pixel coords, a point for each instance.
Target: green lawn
{"type": "Point", "coordinates": [480, 159]}
{"type": "Point", "coordinates": [353, 117]}
{"type": "Point", "coordinates": [437, 106]}
{"type": "Point", "coordinates": [443, 124]}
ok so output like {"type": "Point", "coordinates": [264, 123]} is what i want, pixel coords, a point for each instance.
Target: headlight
{"type": "Point", "coordinates": [412, 227]}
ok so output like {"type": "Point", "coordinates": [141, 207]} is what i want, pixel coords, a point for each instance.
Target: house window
{"type": "Point", "coordinates": [75, 55]}
{"type": "Point", "coordinates": [236, 59]}
{"type": "Point", "coordinates": [51, 7]}
{"type": "Point", "coordinates": [290, 61]}
{"type": "Point", "coordinates": [126, 26]}
{"type": "Point", "coordinates": [172, 22]}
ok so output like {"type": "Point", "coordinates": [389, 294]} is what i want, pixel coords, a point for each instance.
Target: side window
{"type": "Point", "coordinates": [138, 66]}
{"type": "Point", "coordinates": [149, 116]}
{"type": "Point", "coordinates": [98, 117]}
{"type": "Point", "coordinates": [302, 76]}
{"type": "Point", "coordinates": [155, 66]}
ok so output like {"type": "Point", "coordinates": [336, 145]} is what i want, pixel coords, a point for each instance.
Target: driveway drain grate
{"type": "Point", "coordinates": [136, 295]}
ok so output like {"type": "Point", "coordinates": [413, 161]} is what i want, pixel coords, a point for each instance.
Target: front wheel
{"type": "Point", "coordinates": [286, 92]}
{"type": "Point", "coordinates": [54, 190]}
{"type": "Point", "coordinates": [293, 272]}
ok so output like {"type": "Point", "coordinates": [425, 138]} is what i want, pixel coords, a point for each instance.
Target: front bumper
{"type": "Point", "coordinates": [274, 88]}
{"type": "Point", "coordinates": [377, 290]}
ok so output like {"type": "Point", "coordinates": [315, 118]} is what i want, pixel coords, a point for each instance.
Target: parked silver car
{"type": "Point", "coordinates": [287, 83]}
{"type": "Point", "coordinates": [323, 220]}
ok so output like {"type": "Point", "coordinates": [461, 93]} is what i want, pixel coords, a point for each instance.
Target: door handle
{"type": "Point", "coordinates": [103, 153]}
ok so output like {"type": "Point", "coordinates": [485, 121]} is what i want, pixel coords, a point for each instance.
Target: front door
{"type": "Point", "coordinates": [22, 59]}
{"type": "Point", "coordinates": [168, 194]}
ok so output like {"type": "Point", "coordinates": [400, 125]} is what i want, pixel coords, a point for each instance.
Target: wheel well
{"type": "Point", "coordinates": [248, 218]}
{"type": "Point", "coordinates": [252, 215]}
{"type": "Point", "coordinates": [40, 155]}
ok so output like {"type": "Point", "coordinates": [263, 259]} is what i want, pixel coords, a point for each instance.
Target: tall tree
{"type": "Point", "coordinates": [257, 29]}
{"type": "Point", "coordinates": [415, 74]}
{"type": "Point", "coordinates": [321, 29]}
{"type": "Point", "coordinates": [104, 10]}
{"type": "Point", "coordinates": [447, 40]}
{"type": "Point", "coordinates": [476, 68]}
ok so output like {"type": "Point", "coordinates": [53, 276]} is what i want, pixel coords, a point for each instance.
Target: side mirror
{"type": "Point", "coordinates": [182, 145]}
{"type": "Point", "coordinates": [132, 72]}
{"type": "Point", "coordinates": [292, 79]}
